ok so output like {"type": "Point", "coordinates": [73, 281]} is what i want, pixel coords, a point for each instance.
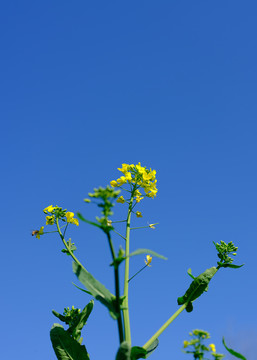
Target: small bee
{"type": "Point", "coordinates": [34, 232]}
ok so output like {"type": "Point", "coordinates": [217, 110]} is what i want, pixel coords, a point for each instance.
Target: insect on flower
{"type": "Point", "coordinates": [34, 232]}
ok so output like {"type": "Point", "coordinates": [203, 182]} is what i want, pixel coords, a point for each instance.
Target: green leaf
{"type": "Point", "coordinates": [196, 288]}
{"type": "Point", "coordinates": [229, 265]}
{"type": "Point", "coordinates": [82, 318]}
{"type": "Point", "coordinates": [97, 289]}
{"type": "Point", "coordinates": [87, 221]}
{"type": "Point", "coordinates": [189, 271]}
{"type": "Point", "coordinates": [124, 351]}
{"type": "Point", "coordinates": [233, 352]}
{"type": "Point", "coordinates": [138, 353]}
{"type": "Point", "coordinates": [147, 251]}
{"type": "Point", "coordinates": [88, 292]}
{"type": "Point", "coordinates": [59, 316]}
{"type": "Point", "coordinates": [65, 347]}
{"type": "Point", "coordinates": [151, 348]}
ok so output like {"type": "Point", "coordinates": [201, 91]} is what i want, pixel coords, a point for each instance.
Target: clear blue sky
{"type": "Point", "coordinates": [88, 85]}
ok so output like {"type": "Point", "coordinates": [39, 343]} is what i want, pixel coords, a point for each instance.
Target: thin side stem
{"type": "Point", "coordinates": [164, 327]}
{"type": "Point", "coordinates": [138, 272]}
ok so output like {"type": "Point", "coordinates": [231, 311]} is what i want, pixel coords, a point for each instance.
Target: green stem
{"type": "Point", "coordinates": [66, 245]}
{"type": "Point", "coordinates": [138, 272]}
{"type": "Point", "coordinates": [116, 232]}
{"type": "Point", "coordinates": [140, 227]}
{"type": "Point", "coordinates": [164, 327]}
{"type": "Point", "coordinates": [126, 277]}
{"type": "Point", "coordinates": [117, 289]}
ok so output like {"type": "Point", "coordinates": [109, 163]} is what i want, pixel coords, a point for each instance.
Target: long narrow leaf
{"type": "Point", "coordinates": [87, 292]}
{"type": "Point", "coordinates": [233, 352]}
{"type": "Point", "coordinates": [81, 217]}
{"type": "Point", "coordinates": [147, 251]}
{"type": "Point", "coordinates": [97, 289]}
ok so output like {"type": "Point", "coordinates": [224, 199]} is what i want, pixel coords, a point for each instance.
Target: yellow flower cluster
{"type": "Point", "coordinates": [56, 211]}
{"type": "Point", "coordinates": [138, 175]}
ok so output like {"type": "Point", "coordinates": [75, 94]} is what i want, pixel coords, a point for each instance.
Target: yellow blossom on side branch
{"type": "Point", "coordinates": [70, 218]}
{"type": "Point", "coordinates": [139, 214]}
{"type": "Point", "coordinates": [121, 200]}
{"type": "Point", "coordinates": [213, 348]}
{"type": "Point", "coordinates": [148, 260]}
{"type": "Point", "coordinates": [185, 344]}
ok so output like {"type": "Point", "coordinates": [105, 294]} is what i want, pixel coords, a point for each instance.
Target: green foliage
{"type": "Point", "coordinates": [97, 289]}
{"type": "Point", "coordinates": [65, 347]}
{"type": "Point", "coordinates": [67, 343]}
{"type": "Point", "coordinates": [76, 319]}
{"type": "Point", "coordinates": [196, 288]}
{"type": "Point", "coordinates": [105, 197]}
{"type": "Point", "coordinates": [233, 352]}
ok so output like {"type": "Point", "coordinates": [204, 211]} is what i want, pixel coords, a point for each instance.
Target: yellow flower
{"type": "Point", "coordinates": [70, 218]}
{"type": "Point", "coordinates": [139, 214]}
{"type": "Point", "coordinates": [122, 180]}
{"type": "Point", "coordinates": [87, 200]}
{"type": "Point", "coordinates": [128, 176]}
{"type": "Point", "coordinates": [147, 177]}
{"type": "Point", "coordinates": [49, 209]}
{"type": "Point", "coordinates": [185, 343]}
{"type": "Point", "coordinates": [125, 168]}
{"type": "Point", "coordinates": [151, 226]}
{"type": "Point", "coordinates": [50, 220]}
{"type": "Point", "coordinates": [121, 200]}
{"type": "Point", "coordinates": [140, 169]}
{"type": "Point", "coordinates": [148, 260]}
{"type": "Point", "coordinates": [113, 183]}
{"type": "Point", "coordinates": [138, 198]}
{"type": "Point", "coordinates": [69, 215]}
{"type": "Point", "coordinates": [213, 348]}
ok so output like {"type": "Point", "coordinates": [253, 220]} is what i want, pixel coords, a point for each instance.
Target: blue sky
{"type": "Point", "coordinates": [86, 86]}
